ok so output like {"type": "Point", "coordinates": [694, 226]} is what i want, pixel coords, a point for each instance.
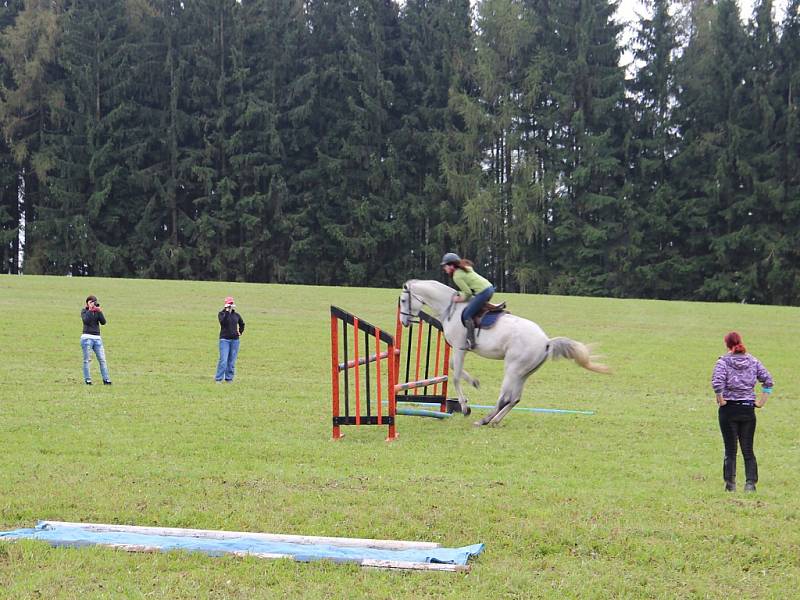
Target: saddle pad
{"type": "Point", "coordinates": [489, 319]}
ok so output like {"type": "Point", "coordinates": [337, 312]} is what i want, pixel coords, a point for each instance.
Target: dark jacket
{"type": "Point", "coordinates": [92, 320]}
{"type": "Point", "coordinates": [231, 324]}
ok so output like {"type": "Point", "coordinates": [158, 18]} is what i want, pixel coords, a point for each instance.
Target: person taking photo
{"type": "Point", "coordinates": [231, 327]}
{"type": "Point", "coordinates": [91, 341]}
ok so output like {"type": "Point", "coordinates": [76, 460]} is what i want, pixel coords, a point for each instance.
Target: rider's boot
{"type": "Point", "coordinates": [470, 325]}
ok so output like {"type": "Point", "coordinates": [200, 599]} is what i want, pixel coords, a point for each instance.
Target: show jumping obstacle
{"type": "Point", "coordinates": [427, 384]}
{"type": "Point", "coordinates": [373, 338]}
{"type": "Point", "coordinates": [428, 329]}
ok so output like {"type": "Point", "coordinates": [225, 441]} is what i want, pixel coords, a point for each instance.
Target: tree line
{"type": "Point", "coordinates": [353, 142]}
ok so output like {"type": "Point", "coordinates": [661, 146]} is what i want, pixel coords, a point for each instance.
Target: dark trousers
{"type": "Point", "coordinates": [738, 425]}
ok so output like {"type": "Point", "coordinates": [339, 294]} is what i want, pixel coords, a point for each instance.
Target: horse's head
{"type": "Point", "coordinates": [410, 305]}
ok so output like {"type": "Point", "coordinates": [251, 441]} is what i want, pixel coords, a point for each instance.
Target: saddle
{"type": "Point", "coordinates": [488, 315]}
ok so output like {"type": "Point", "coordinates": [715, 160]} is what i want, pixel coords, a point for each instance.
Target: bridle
{"type": "Point", "coordinates": [412, 318]}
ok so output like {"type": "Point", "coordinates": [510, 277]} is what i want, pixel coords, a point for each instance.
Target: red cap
{"type": "Point", "coordinates": [229, 300]}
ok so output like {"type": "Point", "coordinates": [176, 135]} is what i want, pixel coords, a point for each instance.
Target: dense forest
{"type": "Point", "coordinates": [353, 142]}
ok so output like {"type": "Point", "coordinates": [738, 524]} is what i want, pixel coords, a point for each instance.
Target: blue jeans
{"type": "Point", "coordinates": [478, 300]}
{"type": "Point", "coordinates": [87, 345]}
{"type": "Point", "coordinates": [228, 351]}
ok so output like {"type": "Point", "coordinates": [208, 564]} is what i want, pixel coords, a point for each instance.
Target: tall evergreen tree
{"type": "Point", "coordinates": [214, 248]}
{"type": "Point", "coordinates": [759, 224]}
{"type": "Point", "coordinates": [783, 281]}
{"type": "Point", "coordinates": [164, 167]}
{"type": "Point", "coordinates": [590, 232]}
{"type": "Point", "coordinates": [270, 140]}
{"type": "Point", "coordinates": [32, 91]}
{"type": "Point", "coordinates": [654, 94]}
{"type": "Point", "coordinates": [508, 215]}
{"type": "Point", "coordinates": [349, 197]}
{"type": "Point", "coordinates": [87, 204]}
{"type": "Point", "coordinates": [438, 45]}
{"type": "Point", "coordinates": [718, 208]}
{"type": "Point", "coordinates": [10, 213]}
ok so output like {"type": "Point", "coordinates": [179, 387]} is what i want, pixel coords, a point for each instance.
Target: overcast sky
{"type": "Point", "coordinates": [629, 8]}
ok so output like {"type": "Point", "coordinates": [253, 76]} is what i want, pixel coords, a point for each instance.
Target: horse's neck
{"type": "Point", "coordinates": [436, 295]}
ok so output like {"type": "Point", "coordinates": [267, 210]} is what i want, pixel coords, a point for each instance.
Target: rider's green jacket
{"type": "Point", "coordinates": [469, 282]}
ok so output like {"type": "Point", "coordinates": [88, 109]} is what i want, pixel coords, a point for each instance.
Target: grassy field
{"type": "Point", "coordinates": [628, 502]}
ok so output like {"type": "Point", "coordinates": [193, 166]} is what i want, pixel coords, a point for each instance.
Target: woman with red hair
{"type": "Point", "coordinates": [734, 380]}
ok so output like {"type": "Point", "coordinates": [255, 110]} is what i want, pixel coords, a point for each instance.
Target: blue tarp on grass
{"type": "Point", "coordinates": [74, 536]}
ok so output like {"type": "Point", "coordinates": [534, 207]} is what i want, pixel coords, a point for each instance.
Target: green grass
{"type": "Point", "coordinates": [625, 503]}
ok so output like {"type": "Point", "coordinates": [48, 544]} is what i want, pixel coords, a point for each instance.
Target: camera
{"type": "Point", "coordinates": [97, 303]}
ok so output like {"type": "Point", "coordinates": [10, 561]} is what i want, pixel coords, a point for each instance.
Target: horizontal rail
{"type": "Point", "coordinates": [432, 320]}
{"type": "Point", "coordinates": [415, 412]}
{"type": "Point", "coordinates": [362, 325]}
{"type": "Point", "coordinates": [422, 398]}
{"type": "Point", "coordinates": [364, 420]}
{"type": "Point", "coordinates": [267, 537]}
{"type": "Point", "coordinates": [372, 358]}
{"type": "Point", "coordinates": [421, 383]}
{"type": "Point", "coordinates": [562, 411]}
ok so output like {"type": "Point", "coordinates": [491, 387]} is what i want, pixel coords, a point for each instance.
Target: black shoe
{"type": "Point", "coordinates": [730, 486]}
{"type": "Point", "coordinates": [750, 486]}
{"type": "Point", "coordinates": [88, 382]}
{"type": "Point", "coordinates": [470, 325]}
{"type": "Point", "coordinates": [106, 382]}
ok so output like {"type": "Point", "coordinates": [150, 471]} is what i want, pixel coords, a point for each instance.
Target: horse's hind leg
{"type": "Point", "coordinates": [501, 403]}
{"type": "Point", "coordinates": [510, 394]}
{"type": "Point", "coordinates": [504, 411]}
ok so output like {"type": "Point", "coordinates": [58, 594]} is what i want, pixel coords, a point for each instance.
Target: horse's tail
{"type": "Point", "coordinates": [562, 347]}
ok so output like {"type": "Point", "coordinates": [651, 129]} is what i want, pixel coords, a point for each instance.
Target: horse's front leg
{"type": "Point", "coordinates": [473, 381]}
{"type": "Point", "coordinates": [455, 375]}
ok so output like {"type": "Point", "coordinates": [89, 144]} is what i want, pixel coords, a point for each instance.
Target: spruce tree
{"type": "Point", "coordinates": [759, 226]}
{"type": "Point", "coordinates": [31, 92]}
{"type": "Point", "coordinates": [783, 280]}
{"type": "Point", "coordinates": [10, 213]}
{"type": "Point", "coordinates": [214, 246]}
{"type": "Point", "coordinates": [436, 38]}
{"type": "Point", "coordinates": [509, 213]}
{"type": "Point", "coordinates": [348, 190]}
{"type": "Point", "coordinates": [717, 206]}
{"type": "Point", "coordinates": [270, 140]}
{"type": "Point", "coordinates": [653, 97]}
{"type": "Point", "coordinates": [168, 143]}
{"type": "Point", "coordinates": [590, 214]}
{"type": "Point", "coordinates": [88, 205]}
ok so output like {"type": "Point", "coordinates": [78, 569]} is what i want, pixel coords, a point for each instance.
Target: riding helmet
{"type": "Point", "coordinates": [450, 257]}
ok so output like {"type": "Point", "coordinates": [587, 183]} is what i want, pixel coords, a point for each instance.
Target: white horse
{"type": "Point", "coordinates": [519, 342]}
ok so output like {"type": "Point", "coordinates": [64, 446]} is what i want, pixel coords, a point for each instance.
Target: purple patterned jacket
{"type": "Point", "coordinates": [735, 377]}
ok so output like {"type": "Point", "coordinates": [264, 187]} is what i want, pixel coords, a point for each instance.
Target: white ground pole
{"type": "Point", "coordinates": [271, 537]}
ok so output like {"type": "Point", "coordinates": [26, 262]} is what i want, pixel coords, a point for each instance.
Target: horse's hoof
{"type": "Point", "coordinates": [476, 384]}
{"type": "Point", "coordinates": [478, 423]}
{"type": "Point", "coordinates": [466, 412]}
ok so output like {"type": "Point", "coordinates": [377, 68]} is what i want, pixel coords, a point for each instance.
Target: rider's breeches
{"type": "Point", "coordinates": [477, 302]}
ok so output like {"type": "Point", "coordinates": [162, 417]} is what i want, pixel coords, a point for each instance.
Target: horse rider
{"type": "Point", "coordinates": [472, 287]}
